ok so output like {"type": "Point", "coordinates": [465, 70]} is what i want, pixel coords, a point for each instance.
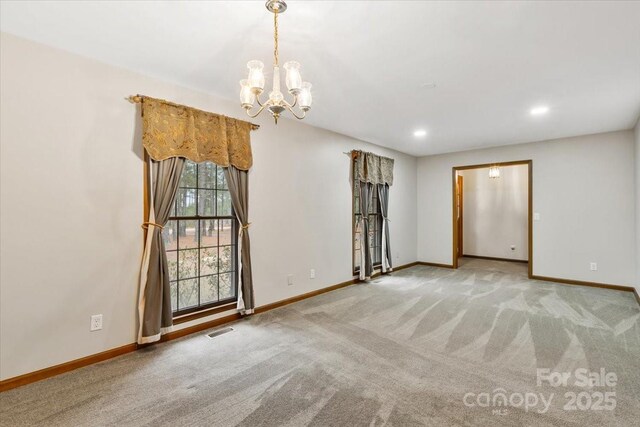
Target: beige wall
{"type": "Point", "coordinates": [496, 212]}
{"type": "Point", "coordinates": [583, 188]}
{"type": "Point", "coordinates": [71, 204]}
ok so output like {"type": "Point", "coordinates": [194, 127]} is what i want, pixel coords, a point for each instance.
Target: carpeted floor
{"type": "Point", "coordinates": [424, 346]}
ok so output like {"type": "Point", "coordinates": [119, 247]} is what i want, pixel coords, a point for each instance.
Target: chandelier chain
{"type": "Point", "coordinates": [275, 37]}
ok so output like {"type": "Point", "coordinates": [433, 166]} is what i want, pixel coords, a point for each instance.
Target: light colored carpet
{"type": "Point", "coordinates": [402, 350]}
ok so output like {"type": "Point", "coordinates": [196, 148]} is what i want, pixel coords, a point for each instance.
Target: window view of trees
{"type": "Point", "coordinates": [375, 228]}
{"type": "Point", "coordinates": [201, 240]}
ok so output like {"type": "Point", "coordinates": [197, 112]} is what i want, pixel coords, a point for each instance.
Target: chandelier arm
{"type": "Point", "coordinates": [258, 100]}
{"type": "Point", "coordinates": [262, 107]}
{"type": "Point", "coordinates": [288, 107]}
{"type": "Point", "coordinates": [295, 101]}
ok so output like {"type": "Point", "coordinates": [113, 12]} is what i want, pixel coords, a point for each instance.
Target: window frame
{"type": "Point", "coordinates": [215, 306]}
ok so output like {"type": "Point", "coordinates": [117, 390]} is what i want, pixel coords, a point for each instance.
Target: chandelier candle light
{"type": "Point", "coordinates": [253, 86]}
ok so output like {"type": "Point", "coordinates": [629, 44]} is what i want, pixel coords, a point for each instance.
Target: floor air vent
{"type": "Point", "coordinates": [219, 332]}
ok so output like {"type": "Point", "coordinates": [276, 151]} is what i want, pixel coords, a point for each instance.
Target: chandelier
{"type": "Point", "coordinates": [252, 87]}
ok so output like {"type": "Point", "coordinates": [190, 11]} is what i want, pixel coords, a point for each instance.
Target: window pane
{"type": "Point", "coordinates": [374, 202]}
{"type": "Point", "coordinates": [186, 202]}
{"type": "Point", "coordinates": [208, 261]}
{"type": "Point", "coordinates": [174, 295]}
{"type": "Point", "coordinates": [224, 203]}
{"type": "Point", "coordinates": [221, 181]}
{"type": "Point", "coordinates": [188, 234]}
{"type": "Point", "coordinates": [376, 254]}
{"type": "Point", "coordinates": [172, 260]}
{"type": "Point", "coordinates": [208, 232]}
{"type": "Point", "coordinates": [188, 293]}
{"type": "Point", "coordinates": [226, 289]}
{"type": "Point", "coordinates": [187, 264]}
{"type": "Point", "coordinates": [208, 289]}
{"type": "Point", "coordinates": [188, 178]}
{"type": "Point", "coordinates": [226, 261]}
{"type": "Point", "coordinates": [206, 202]}
{"type": "Point", "coordinates": [206, 175]}
{"type": "Point", "coordinates": [170, 235]}
{"type": "Point", "coordinates": [226, 231]}
{"type": "Point", "coordinates": [199, 248]}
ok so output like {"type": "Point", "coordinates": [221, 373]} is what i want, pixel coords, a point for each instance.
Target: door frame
{"type": "Point", "coordinates": [460, 217]}
{"type": "Point", "coordinates": [454, 181]}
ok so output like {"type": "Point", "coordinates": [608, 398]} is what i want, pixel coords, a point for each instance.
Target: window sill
{"type": "Point", "coordinates": [204, 313]}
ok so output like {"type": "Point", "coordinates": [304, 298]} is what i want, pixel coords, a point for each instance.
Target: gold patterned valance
{"type": "Point", "coordinates": [372, 168]}
{"type": "Point", "coordinates": [172, 130]}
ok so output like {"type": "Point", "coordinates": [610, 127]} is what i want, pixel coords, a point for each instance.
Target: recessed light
{"type": "Point", "coordinates": [538, 111]}
{"type": "Point", "coordinates": [420, 133]}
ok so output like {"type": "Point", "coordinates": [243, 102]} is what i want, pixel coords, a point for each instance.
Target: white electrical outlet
{"type": "Point", "coordinates": [536, 216]}
{"type": "Point", "coordinates": [312, 274]}
{"type": "Point", "coordinates": [290, 279]}
{"type": "Point", "coordinates": [593, 266]}
{"type": "Point", "coordinates": [96, 322]}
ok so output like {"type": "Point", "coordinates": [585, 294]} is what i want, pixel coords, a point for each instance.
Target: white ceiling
{"type": "Point", "coordinates": [491, 61]}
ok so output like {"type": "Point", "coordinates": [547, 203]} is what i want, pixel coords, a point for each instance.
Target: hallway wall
{"type": "Point", "coordinates": [496, 213]}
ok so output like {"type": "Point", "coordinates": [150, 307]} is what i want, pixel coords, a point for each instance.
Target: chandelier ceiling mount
{"type": "Point", "coordinates": [276, 6]}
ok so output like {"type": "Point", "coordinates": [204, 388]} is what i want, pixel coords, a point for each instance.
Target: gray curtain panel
{"type": "Point", "coordinates": [155, 298]}
{"type": "Point", "coordinates": [383, 196]}
{"type": "Point", "coordinates": [366, 195]}
{"type": "Point", "coordinates": [238, 183]}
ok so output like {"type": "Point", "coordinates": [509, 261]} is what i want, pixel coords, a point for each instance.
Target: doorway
{"type": "Point", "coordinates": [460, 214]}
{"type": "Point", "coordinates": [487, 218]}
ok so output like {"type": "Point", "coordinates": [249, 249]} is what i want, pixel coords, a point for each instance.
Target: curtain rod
{"type": "Point", "coordinates": [137, 99]}
{"type": "Point", "coordinates": [353, 154]}
{"type": "Point", "coordinates": [356, 153]}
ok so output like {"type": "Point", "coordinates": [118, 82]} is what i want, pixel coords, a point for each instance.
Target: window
{"type": "Point", "coordinates": [375, 228]}
{"type": "Point", "coordinates": [201, 238]}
